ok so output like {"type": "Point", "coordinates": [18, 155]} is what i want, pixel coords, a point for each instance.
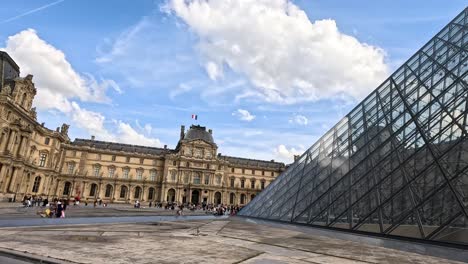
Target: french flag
{"type": "Point", "coordinates": [194, 117]}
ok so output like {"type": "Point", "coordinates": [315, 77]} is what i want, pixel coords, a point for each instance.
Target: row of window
{"type": "Point", "coordinates": [127, 159]}
{"type": "Point", "coordinates": [253, 172]}
{"type": "Point", "coordinates": [125, 172]}
{"type": "Point", "coordinates": [252, 183]}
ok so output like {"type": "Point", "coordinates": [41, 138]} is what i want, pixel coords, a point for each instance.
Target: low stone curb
{"type": "Point", "coordinates": [25, 256]}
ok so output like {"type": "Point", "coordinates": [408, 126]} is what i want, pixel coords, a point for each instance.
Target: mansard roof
{"type": "Point", "coordinates": [120, 147]}
{"type": "Point", "coordinates": [199, 132]}
{"type": "Point", "coordinates": [252, 162]}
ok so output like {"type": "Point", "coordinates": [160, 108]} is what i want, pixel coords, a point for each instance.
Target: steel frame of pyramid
{"type": "Point", "coordinates": [397, 164]}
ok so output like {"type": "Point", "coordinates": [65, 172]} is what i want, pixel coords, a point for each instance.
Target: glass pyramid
{"type": "Point", "coordinates": [396, 165]}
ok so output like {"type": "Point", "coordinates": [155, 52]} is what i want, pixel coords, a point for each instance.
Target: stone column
{"type": "Point", "coordinates": [13, 173]}
{"type": "Point", "coordinates": [113, 198]}
{"type": "Point", "coordinates": [17, 149]}
{"type": "Point", "coordinates": [12, 140]}
{"type": "Point", "coordinates": [3, 175]}
{"type": "Point", "coordinates": [83, 188]}
{"type": "Point", "coordinates": [142, 197]}
{"type": "Point", "coordinates": [5, 140]}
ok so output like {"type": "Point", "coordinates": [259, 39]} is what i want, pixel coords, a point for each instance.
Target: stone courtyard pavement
{"type": "Point", "coordinates": [229, 240]}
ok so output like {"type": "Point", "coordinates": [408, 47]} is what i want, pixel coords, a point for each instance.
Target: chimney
{"type": "Point", "coordinates": [296, 157]}
{"type": "Point", "coordinates": [182, 132]}
{"type": "Point", "coordinates": [272, 160]}
{"type": "Point", "coordinates": [42, 124]}
{"type": "Point", "coordinates": [93, 137]}
{"type": "Point", "coordinates": [165, 146]}
{"type": "Point", "coordinates": [210, 131]}
{"type": "Point", "coordinates": [57, 129]}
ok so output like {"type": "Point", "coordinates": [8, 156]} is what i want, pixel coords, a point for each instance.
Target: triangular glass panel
{"type": "Point", "coordinates": [397, 164]}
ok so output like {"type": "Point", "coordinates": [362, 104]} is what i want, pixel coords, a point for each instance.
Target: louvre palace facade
{"type": "Point", "coordinates": [35, 160]}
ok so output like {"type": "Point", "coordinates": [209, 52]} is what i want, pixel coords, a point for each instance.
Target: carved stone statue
{"type": "Point", "coordinates": [6, 90]}
{"type": "Point", "coordinates": [33, 112]}
{"type": "Point", "coordinates": [64, 129]}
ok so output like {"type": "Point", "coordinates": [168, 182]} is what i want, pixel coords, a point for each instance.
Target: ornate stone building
{"type": "Point", "coordinates": [35, 160]}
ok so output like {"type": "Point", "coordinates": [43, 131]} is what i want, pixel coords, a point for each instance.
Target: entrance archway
{"type": "Point", "coordinates": [171, 195]}
{"type": "Point", "coordinates": [195, 197]}
{"type": "Point", "coordinates": [217, 198]}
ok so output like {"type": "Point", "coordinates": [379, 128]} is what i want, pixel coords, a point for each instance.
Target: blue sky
{"type": "Point", "coordinates": [269, 77]}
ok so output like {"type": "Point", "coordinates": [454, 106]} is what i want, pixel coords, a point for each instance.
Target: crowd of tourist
{"type": "Point", "coordinates": [57, 207]}
{"type": "Point", "coordinates": [220, 209]}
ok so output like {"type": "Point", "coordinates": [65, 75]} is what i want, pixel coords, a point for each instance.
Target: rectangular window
{"type": "Point", "coordinates": [42, 159]}
{"type": "Point", "coordinates": [125, 173]}
{"type": "Point", "coordinates": [47, 141]}
{"type": "Point", "coordinates": [111, 172]}
{"type": "Point", "coordinates": [139, 174]}
{"type": "Point", "coordinates": [207, 179]}
{"type": "Point", "coordinates": [218, 180]}
{"type": "Point", "coordinates": [71, 167]}
{"type": "Point", "coordinates": [252, 184]}
{"type": "Point", "coordinates": [272, 174]}
{"type": "Point", "coordinates": [253, 172]}
{"type": "Point", "coordinates": [232, 169]}
{"type": "Point", "coordinates": [243, 171]}
{"type": "Point", "coordinates": [113, 157]}
{"type": "Point", "coordinates": [128, 159]}
{"type": "Point", "coordinates": [153, 175]}
{"type": "Point", "coordinates": [263, 173]}
{"type": "Point", "coordinates": [262, 185]}
{"type": "Point", "coordinates": [96, 171]}
{"type": "Point", "coordinates": [242, 183]}
{"type": "Point", "coordinates": [196, 179]}
{"type": "Point", "coordinates": [142, 160]}
{"type": "Point", "coordinates": [232, 182]}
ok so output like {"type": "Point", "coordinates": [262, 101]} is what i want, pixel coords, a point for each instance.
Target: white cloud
{"type": "Point", "coordinates": [243, 115]}
{"type": "Point", "coordinates": [286, 57]}
{"type": "Point", "coordinates": [299, 119]}
{"type": "Point", "coordinates": [59, 86]}
{"type": "Point", "coordinates": [213, 70]}
{"type": "Point", "coordinates": [183, 88]}
{"type": "Point", "coordinates": [283, 153]}
{"type": "Point", "coordinates": [54, 75]}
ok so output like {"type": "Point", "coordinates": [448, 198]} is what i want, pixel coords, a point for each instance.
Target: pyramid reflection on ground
{"type": "Point", "coordinates": [397, 164]}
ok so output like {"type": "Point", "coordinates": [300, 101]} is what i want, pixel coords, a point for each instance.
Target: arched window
{"type": "Point", "coordinates": [171, 195]}
{"type": "Point", "coordinates": [137, 193]}
{"type": "Point", "coordinates": [232, 198]}
{"type": "Point", "coordinates": [108, 190]}
{"type": "Point", "coordinates": [151, 193]}
{"type": "Point", "coordinates": [66, 188]}
{"type": "Point", "coordinates": [92, 190]}
{"type": "Point", "coordinates": [37, 182]}
{"type": "Point", "coordinates": [242, 199]}
{"type": "Point", "coordinates": [123, 191]}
